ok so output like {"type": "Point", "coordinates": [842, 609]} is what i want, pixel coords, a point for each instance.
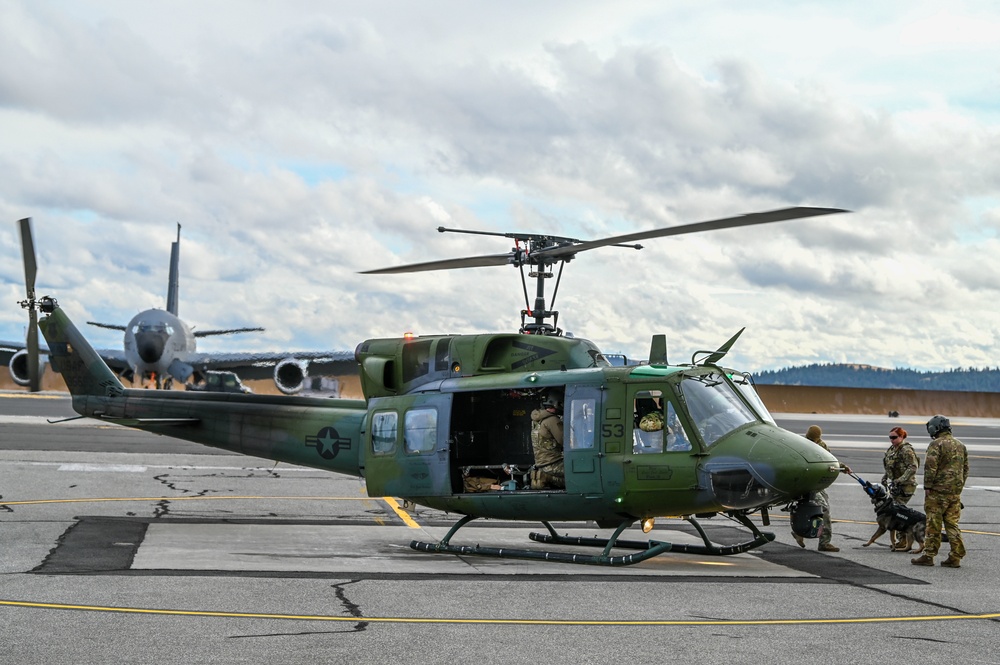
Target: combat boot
{"type": "Point", "coordinates": [952, 562]}
{"type": "Point", "coordinates": [827, 547]}
{"type": "Point", "coordinates": [923, 560]}
{"type": "Point", "coordinates": [798, 539]}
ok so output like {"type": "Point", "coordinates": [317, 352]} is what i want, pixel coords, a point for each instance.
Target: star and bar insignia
{"type": "Point", "coordinates": [328, 443]}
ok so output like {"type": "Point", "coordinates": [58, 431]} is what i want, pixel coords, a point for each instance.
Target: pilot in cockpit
{"type": "Point", "coordinates": [648, 426]}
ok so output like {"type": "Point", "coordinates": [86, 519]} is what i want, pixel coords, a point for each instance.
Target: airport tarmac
{"type": "Point", "coordinates": [121, 546]}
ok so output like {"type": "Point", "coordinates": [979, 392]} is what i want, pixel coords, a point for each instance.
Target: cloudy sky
{"type": "Point", "coordinates": [301, 142]}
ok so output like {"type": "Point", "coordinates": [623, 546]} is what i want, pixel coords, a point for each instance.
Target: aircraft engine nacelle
{"type": "Point", "coordinates": [290, 375]}
{"type": "Point", "coordinates": [19, 367]}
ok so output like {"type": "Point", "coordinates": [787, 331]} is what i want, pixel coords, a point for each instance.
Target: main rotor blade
{"type": "Point", "coordinates": [28, 252]}
{"type": "Point", "coordinates": [713, 225]}
{"type": "Point", "coordinates": [447, 264]}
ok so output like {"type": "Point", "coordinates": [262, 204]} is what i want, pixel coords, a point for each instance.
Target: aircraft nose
{"type": "Point", "coordinates": [150, 344]}
{"type": "Point", "coordinates": [768, 468]}
{"type": "Point", "coordinates": [791, 467]}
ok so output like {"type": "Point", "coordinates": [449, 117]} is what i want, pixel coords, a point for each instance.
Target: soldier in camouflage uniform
{"type": "Point", "coordinates": [900, 463]}
{"type": "Point", "coordinates": [821, 499]}
{"type": "Point", "coordinates": [946, 468]}
{"type": "Point", "coordinates": [652, 421]}
{"type": "Point", "coordinates": [547, 444]}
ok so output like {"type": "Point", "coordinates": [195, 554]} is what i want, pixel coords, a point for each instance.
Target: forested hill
{"type": "Point", "coordinates": [866, 376]}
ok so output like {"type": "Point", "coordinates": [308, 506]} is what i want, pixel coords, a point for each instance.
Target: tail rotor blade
{"type": "Point", "coordinates": [28, 252]}
{"type": "Point", "coordinates": [30, 270]}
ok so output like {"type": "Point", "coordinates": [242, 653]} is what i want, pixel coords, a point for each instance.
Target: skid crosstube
{"type": "Point", "coordinates": [647, 549]}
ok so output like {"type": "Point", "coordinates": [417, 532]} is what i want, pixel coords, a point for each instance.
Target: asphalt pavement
{"type": "Point", "coordinates": [121, 546]}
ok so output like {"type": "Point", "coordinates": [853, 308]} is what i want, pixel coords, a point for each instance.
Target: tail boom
{"type": "Point", "coordinates": [321, 433]}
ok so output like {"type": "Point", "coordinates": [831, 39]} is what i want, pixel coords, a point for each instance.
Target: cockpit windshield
{"type": "Point", "coordinates": [714, 405]}
{"type": "Point", "coordinates": [745, 384]}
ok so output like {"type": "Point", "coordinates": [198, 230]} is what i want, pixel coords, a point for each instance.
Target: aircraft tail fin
{"type": "Point", "coordinates": [173, 280]}
{"type": "Point", "coordinates": [70, 354]}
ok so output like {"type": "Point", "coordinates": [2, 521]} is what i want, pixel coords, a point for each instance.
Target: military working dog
{"type": "Point", "coordinates": [904, 524]}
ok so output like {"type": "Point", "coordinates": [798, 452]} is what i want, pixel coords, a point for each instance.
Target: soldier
{"type": "Point", "coordinates": [815, 434]}
{"type": "Point", "coordinates": [547, 443]}
{"type": "Point", "coordinates": [946, 468]}
{"type": "Point", "coordinates": [900, 463]}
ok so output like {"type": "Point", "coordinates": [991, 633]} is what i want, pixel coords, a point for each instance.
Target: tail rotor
{"type": "Point", "coordinates": [30, 269]}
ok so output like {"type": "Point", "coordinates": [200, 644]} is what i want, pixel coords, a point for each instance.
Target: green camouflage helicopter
{"type": "Point", "coordinates": [445, 422]}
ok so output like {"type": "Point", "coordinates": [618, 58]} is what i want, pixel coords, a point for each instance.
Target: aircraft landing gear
{"type": "Point", "coordinates": [647, 549]}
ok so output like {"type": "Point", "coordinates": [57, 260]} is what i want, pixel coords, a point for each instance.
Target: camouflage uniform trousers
{"type": "Point", "coordinates": [550, 471]}
{"type": "Point", "coordinates": [902, 499]}
{"type": "Point", "coordinates": [943, 509]}
{"type": "Point", "coordinates": [826, 532]}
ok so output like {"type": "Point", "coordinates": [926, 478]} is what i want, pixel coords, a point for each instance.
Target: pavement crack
{"type": "Point", "coordinates": [352, 608]}
{"type": "Point", "coordinates": [315, 632]}
{"type": "Point", "coordinates": [922, 639]}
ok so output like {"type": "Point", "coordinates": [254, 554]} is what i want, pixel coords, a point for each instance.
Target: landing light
{"type": "Point", "coordinates": [532, 378]}
{"type": "Point", "coordinates": [647, 524]}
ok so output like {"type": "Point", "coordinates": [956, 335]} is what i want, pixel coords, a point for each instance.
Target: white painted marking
{"type": "Point", "coordinates": [114, 468]}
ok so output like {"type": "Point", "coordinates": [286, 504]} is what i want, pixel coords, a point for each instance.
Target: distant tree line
{"type": "Point", "coordinates": [971, 379]}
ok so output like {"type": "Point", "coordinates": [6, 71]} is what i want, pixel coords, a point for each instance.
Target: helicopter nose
{"type": "Point", "coordinates": [770, 469]}
{"type": "Point", "coordinates": [150, 344]}
{"type": "Point", "coordinates": [791, 467]}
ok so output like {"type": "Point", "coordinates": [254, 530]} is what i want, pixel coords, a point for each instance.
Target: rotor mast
{"type": "Point", "coordinates": [533, 250]}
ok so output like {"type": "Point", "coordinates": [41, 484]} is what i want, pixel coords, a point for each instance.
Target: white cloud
{"type": "Point", "coordinates": [300, 144]}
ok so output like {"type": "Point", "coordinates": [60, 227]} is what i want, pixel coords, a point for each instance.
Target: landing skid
{"type": "Point", "coordinates": [648, 549]}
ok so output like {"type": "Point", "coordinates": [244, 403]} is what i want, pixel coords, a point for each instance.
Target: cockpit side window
{"type": "Point", "coordinates": [656, 426]}
{"type": "Point", "coordinates": [714, 406]}
{"type": "Point", "coordinates": [647, 425]}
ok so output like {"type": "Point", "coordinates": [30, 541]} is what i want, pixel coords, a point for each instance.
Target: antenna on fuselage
{"type": "Point", "coordinates": [658, 350]}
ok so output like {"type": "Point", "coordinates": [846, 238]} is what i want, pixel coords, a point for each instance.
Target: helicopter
{"type": "Point", "coordinates": [446, 422]}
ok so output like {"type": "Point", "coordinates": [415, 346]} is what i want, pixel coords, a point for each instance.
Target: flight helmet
{"type": "Point", "coordinates": [553, 400]}
{"type": "Point", "coordinates": [938, 424]}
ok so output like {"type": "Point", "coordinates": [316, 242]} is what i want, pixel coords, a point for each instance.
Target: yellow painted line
{"type": "Point", "coordinates": [32, 396]}
{"type": "Point", "coordinates": [362, 489]}
{"type": "Point", "coordinates": [403, 515]}
{"type": "Point", "coordinates": [515, 622]}
{"type": "Point", "coordinates": [177, 498]}
{"type": "Point", "coordinates": [392, 503]}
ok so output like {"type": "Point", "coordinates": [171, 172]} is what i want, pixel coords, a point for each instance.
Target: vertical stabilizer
{"type": "Point", "coordinates": [173, 284]}
{"type": "Point", "coordinates": [71, 355]}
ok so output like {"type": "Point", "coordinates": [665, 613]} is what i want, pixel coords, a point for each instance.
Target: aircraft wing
{"type": "Point", "coordinates": [261, 365]}
{"type": "Point", "coordinates": [114, 359]}
{"type": "Point", "coordinates": [8, 349]}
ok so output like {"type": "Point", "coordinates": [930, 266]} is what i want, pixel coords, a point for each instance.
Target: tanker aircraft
{"type": "Point", "coordinates": [159, 347]}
